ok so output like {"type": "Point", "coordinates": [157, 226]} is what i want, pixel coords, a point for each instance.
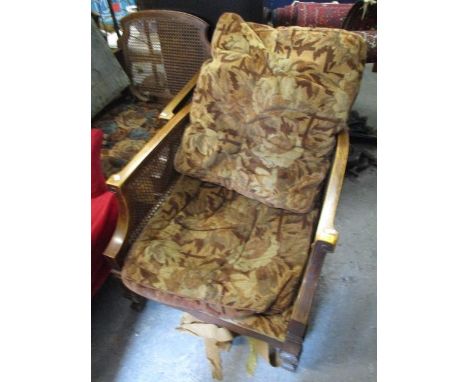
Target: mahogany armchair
{"type": "Point", "coordinates": [144, 183]}
{"type": "Point", "coordinates": [237, 235]}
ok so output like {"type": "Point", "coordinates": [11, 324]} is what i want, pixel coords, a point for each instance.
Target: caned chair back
{"type": "Point", "coordinates": [162, 51]}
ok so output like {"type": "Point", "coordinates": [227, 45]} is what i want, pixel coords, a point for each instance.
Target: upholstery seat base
{"type": "Point", "coordinates": [213, 250]}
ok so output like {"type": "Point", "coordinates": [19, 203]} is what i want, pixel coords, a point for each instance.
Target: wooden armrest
{"type": "Point", "coordinates": [168, 111]}
{"type": "Point", "coordinates": [325, 240]}
{"type": "Point", "coordinates": [117, 180]}
{"type": "Point", "coordinates": [326, 231]}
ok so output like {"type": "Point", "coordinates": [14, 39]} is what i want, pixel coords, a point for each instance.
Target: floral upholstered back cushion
{"type": "Point", "coordinates": [267, 107]}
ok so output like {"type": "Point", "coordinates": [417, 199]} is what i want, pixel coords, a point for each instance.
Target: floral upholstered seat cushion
{"type": "Point", "coordinates": [127, 125]}
{"type": "Point", "coordinates": [212, 249]}
{"type": "Point", "coordinates": [267, 107]}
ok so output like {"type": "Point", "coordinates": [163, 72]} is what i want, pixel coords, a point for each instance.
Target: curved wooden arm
{"type": "Point", "coordinates": [168, 111]}
{"type": "Point", "coordinates": [117, 180]}
{"type": "Point", "coordinates": [326, 231]}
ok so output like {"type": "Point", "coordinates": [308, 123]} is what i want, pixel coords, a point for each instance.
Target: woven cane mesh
{"type": "Point", "coordinates": [163, 50]}
{"type": "Point", "coordinates": [152, 182]}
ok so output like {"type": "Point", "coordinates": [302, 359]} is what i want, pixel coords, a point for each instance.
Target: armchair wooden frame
{"type": "Point", "coordinates": [326, 236]}
{"type": "Point", "coordinates": [127, 224]}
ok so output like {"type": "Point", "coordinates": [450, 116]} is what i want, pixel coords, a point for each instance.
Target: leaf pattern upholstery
{"type": "Point", "coordinates": [213, 249]}
{"type": "Point", "coordinates": [233, 236]}
{"type": "Point", "coordinates": [267, 107]}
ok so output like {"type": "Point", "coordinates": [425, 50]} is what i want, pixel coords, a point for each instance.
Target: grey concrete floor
{"type": "Point", "coordinates": [341, 342]}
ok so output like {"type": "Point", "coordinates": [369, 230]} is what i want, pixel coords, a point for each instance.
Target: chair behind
{"type": "Point", "coordinates": [162, 51]}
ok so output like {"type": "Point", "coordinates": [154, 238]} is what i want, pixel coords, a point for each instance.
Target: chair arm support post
{"type": "Point", "coordinates": [116, 248]}
{"type": "Point", "coordinates": [297, 326]}
{"type": "Point", "coordinates": [168, 112]}
{"type": "Point", "coordinates": [303, 305]}
{"type": "Point", "coordinates": [325, 241]}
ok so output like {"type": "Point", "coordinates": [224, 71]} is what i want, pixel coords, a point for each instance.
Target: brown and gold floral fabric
{"type": "Point", "coordinates": [212, 249]}
{"type": "Point", "coordinates": [270, 325]}
{"type": "Point", "coordinates": [267, 107]}
{"type": "Point", "coordinates": [127, 125]}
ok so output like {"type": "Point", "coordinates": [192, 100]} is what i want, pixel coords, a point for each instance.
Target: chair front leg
{"type": "Point", "coordinates": [291, 350]}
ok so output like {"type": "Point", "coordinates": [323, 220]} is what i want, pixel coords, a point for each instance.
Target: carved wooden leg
{"type": "Point", "coordinates": [290, 360]}
{"type": "Point", "coordinates": [292, 348]}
